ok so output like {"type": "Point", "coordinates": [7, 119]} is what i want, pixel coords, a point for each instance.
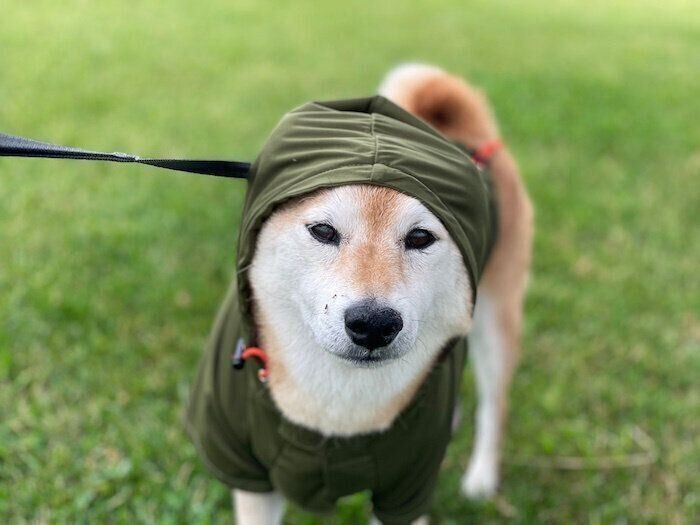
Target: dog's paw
{"type": "Point", "coordinates": [481, 480]}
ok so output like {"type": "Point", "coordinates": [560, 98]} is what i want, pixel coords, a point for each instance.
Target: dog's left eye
{"type": "Point", "coordinates": [418, 239]}
{"type": "Point", "coordinates": [324, 233]}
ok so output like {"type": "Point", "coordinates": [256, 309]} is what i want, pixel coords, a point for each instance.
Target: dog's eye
{"type": "Point", "coordinates": [324, 233]}
{"type": "Point", "coordinates": [418, 239]}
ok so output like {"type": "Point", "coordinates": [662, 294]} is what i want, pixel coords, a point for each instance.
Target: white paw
{"type": "Point", "coordinates": [481, 479]}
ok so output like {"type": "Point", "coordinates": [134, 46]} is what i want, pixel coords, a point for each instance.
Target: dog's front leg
{"type": "Point", "coordinates": [258, 508]}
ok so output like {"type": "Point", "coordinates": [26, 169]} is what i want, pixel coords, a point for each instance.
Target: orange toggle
{"type": "Point", "coordinates": [259, 354]}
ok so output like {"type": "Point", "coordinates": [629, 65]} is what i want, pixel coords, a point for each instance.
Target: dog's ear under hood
{"type": "Point", "coordinates": [368, 141]}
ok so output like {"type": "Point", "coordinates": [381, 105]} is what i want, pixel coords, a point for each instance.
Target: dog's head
{"type": "Point", "coordinates": [364, 273]}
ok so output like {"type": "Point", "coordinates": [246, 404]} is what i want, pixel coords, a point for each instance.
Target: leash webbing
{"type": "Point", "coordinates": [11, 146]}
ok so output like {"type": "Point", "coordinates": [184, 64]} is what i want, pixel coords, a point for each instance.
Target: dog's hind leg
{"type": "Point", "coordinates": [258, 508]}
{"type": "Point", "coordinates": [488, 356]}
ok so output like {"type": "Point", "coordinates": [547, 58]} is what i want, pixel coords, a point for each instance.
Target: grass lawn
{"type": "Point", "coordinates": [110, 275]}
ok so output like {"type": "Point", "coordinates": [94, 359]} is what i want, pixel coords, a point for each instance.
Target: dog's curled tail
{"type": "Point", "coordinates": [446, 102]}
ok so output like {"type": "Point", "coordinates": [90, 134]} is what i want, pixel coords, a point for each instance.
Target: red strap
{"type": "Point", "coordinates": [483, 155]}
{"type": "Point", "coordinates": [258, 353]}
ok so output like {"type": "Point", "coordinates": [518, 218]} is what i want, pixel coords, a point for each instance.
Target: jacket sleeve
{"type": "Point", "coordinates": [222, 437]}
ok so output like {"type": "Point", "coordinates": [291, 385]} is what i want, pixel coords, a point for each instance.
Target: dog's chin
{"type": "Point", "coordinates": [360, 357]}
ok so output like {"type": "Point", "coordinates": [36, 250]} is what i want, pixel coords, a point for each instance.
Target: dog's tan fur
{"type": "Point", "coordinates": [374, 267]}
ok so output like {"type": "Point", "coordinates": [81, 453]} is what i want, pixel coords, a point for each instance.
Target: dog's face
{"type": "Point", "coordinates": [370, 273]}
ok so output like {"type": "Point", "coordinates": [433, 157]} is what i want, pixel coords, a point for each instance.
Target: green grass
{"type": "Point", "coordinates": [110, 275]}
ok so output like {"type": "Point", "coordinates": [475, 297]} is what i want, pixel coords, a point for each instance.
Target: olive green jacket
{"type": "Point", "coordinates": [241, 435]}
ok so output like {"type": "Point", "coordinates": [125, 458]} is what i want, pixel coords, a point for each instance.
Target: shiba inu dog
{"type": "Point", "coordinates": [372, 277]}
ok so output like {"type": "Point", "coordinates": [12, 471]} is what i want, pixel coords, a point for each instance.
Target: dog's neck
{"type": "Point", "coordinates": [322, 392]}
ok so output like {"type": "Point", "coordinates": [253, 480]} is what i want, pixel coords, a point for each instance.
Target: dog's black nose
{"type": "Point", "coordinates": [372, 326]}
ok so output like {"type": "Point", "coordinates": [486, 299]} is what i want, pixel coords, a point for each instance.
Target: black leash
{"type": "Point", "coordinates": [11, 146]}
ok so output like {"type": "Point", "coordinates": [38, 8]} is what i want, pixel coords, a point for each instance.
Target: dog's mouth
{"type": "Point", "coordinates": [363, 358]}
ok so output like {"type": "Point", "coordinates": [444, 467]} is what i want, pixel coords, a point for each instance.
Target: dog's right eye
{"type": "Point", "coordinates": [324, 233]}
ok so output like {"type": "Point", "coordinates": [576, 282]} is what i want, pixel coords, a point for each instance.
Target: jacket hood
{"type": "Point", "coordinates": [368, 141]}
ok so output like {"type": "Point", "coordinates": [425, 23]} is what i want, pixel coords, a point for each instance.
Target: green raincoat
{"type": "Point", "coordinates": [239, 432]}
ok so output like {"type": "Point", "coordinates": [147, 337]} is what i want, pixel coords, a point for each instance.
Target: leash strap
{"type": "Point", "coordinates": [11, 146]}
